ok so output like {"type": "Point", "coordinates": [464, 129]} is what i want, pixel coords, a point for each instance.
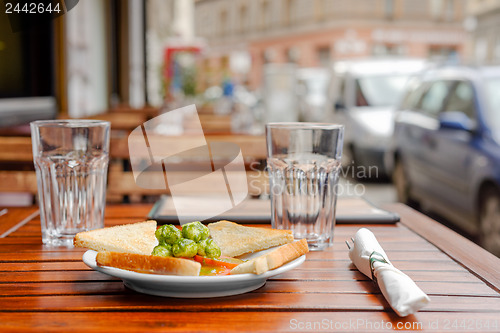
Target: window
{"type": "Point", "coordinates": [222, 23]}
{"type": "Point", "coordinates": [492, 86]}
{"type": "Point", "coordinates": [340, 98]}
{"type": "Point", "coordinates": [496, 52]}
{"type": "Point", "coordinates": [388, 49]}
{"type": "Point", "coordinates": [288, 12]}
{"type": "Point", "coordinates": [445, 52]}
{"type": "Point", "coordinates": [436, 9]}
{"type": "Point", "coordinates": [450, 10]}
{"type": "Point", "coordinates": [264, 14]}
{"type": "Point", "coordinates": [243, 18]}
{"type": "Point", "coordinates": [26, 61]}
{"type": "Point", "coordinates": [292, 54]}
{"type": "Point", "coordinates": [461, 99]}
{"type": "Point", "coordinates": [319, 10]}
{"type": "Point", "coordinates": [389, 9]}
{"type": "Point", "coordinates": [267, 56]}
{"type": "Point", "coordinates": [415, 90]}
{"type": "Point", "coordinates": [433, 100]}
{"type": "Point", "coordinates": [481, 49]}
{"type": "Point", "coordinates": [380, 90]}
{"type": "Point", "coordinates": [324, 55]}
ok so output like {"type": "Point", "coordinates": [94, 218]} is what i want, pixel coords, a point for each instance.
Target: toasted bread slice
{"type": "Point", "coordinates": [149, 264]}
{"type": "Point", "coordinates": [235, 240]}
{"type": "Point", "coordinates": [131, 238]}
{"type": "Point", "coordinates": [273, 259]}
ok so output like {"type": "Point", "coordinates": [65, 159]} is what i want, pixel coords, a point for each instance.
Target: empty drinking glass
{"type": "Point", "coordinates": [304, 167]}
{"type": "Point", "coordinates": [71, 163]}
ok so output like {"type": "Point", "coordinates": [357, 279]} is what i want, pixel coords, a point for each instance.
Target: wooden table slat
{"type": "Point", "coordinates": [460, 249]}
{"type": "Point", "coordinates": [74, 284]}
{"type": "Point", "coordinates": [248, 302]}
{"type": "Point", "coordinates": [37, 250]}
{"type": "Point", "coordinates": [160, 321]}
{"type": "Point", "coordinates": [33, 243]}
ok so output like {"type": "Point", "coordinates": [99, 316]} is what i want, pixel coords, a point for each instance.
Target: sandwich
{"type": "Point", "coordinates": [236, 240]}
{"type": "Point", "coordinates": [148, 263]}
{"type": "Point", "coordinates": [273, 259]}
{"type": "Point", "coordinates": [128, 238]}
{"type": "Point", "coordinates": [144, 248]}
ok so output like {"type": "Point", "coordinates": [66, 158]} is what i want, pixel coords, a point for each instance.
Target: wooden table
{"type": "Point", "coordinates": [50, 289]}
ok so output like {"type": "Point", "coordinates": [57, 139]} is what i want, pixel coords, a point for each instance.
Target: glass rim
{"type": "Point", "coordinates": [304, 125]}
{"type": "Point", "coordinates": [70, 123]}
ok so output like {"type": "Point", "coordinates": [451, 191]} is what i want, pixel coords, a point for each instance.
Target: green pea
{"type": "Point", "coordinates": [184, 247]}
{"type": "Point", "coordinates": [168, 234]}
{"type": "Point", "coordinates": [212, 250]}
{"type": "Point", "coordinates": [201, 247]}
{"type": "Point", "coordinates": [163, 250]}
{"type": "Point", "coordinates": [195, 231]}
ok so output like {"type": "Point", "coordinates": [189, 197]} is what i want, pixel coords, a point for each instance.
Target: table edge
{"type": "Point", "coordinates": [471, 256]}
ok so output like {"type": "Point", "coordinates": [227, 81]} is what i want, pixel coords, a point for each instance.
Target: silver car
{"type": "Point", "coordinates": [364, 94]}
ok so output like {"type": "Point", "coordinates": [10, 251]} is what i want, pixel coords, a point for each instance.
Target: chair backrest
{"type": "Point", "coordinates": [121, 121]}
{"type": "Point", "coordinates": [15, 149]}
{"type": "Point", "coordinates": [16, 152]}
{"type": "Point", "coordinates": [121, 180]}
{"type": "Point", "coordinates": [121, 183]}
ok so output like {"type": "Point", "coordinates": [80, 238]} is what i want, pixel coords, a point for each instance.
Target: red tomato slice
{"type": "Point", "coordinates": [214, 270]}
{"type": "Point", "coordinates": [218, 262]}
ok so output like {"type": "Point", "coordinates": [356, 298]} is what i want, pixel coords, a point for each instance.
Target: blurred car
{"type": "Point", "coordinates": [446, 148]}
{"type": "Point", "coordinates": [364, 94]}
{"type": "Point", "coordinates": [313, 93]}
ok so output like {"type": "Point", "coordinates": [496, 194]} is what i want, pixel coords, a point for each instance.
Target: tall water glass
{"type": "Point", "coordinates": [71, 163]}
{"type": "Point", "coordinates": [304, 167]}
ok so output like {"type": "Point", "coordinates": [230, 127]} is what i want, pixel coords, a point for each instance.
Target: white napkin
{"type": "Point", "coordinates": [403, 295]}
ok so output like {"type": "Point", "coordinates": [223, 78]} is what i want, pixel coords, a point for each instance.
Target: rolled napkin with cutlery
{"type": "Point", "coordinates": [400, 291]}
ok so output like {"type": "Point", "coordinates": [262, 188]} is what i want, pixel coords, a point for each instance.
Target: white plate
{"type": "Point", "coordinates": [190, 286]}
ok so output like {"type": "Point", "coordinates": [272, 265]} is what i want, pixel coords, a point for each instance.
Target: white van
{"type": "Point", "coordinates": [363, 95]}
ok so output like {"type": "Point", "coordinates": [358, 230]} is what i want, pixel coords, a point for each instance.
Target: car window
{"type": "Point", "coordinates": [461, 99]}
{"type": "Point", "coordinates": [492, 86]}
{"type": "Point", "coordinates": [341, 92]}
{"type": "Point", "coordinates": [382, 90]}
{"type": "Point", "coordinates": [415, 89]}
{"type": "Point", "coordinates": [432, 101]}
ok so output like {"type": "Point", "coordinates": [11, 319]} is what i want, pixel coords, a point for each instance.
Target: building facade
{"type": "Point", "coordinates": [316, 32]}
{"type": "Point", "coordinates": [483, 24]}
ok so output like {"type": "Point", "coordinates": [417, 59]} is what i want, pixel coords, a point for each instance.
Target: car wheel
{"type": "Point", "coordinates": [489, 220]}
{"type": "Point", "coordinates": [400, 181]}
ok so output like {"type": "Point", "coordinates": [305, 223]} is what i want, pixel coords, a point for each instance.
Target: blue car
{"type": "Point", "coordinates": [445, 151]}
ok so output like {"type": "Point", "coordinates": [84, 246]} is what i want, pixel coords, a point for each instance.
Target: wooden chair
{"type": "Point", "coordinates": [252, 146]}
{"type": "Point", "coordinates": [121, 183]}
{"type": "Point", "coordinates": [16, 153]}
{"type": "Point", "coordinates": [147, 111]}
{"type": "Point", "coordinates": [120, 121]}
